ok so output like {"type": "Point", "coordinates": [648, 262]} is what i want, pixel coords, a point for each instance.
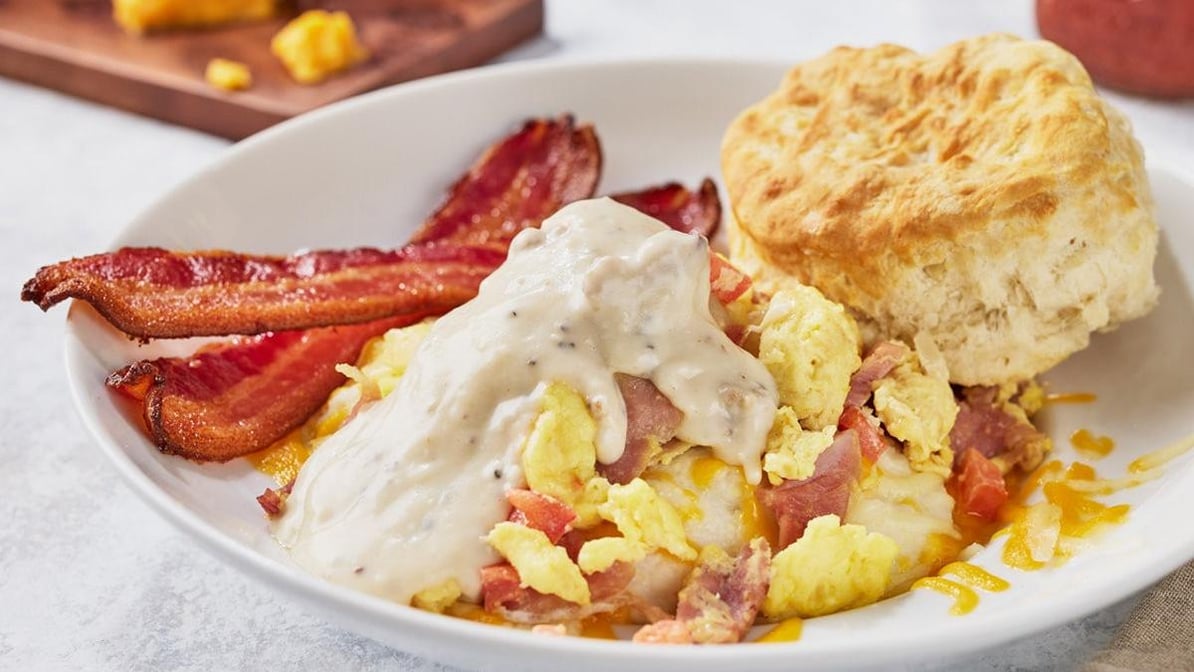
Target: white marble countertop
{"type": "Point", "coordinates": [90, 579]}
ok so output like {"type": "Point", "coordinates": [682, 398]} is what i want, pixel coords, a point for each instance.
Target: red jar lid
{"type": "Point", "coordinates": [1140, 46]}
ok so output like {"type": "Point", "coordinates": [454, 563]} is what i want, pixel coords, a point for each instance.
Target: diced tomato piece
{"type": "Point", "coordinates": [728, 283]}
{"type": "Point", "coordinates": [981, 489]}
{"type": "Point", "coordinates": [541, 512]}
{"type": "Point", "coordinates": [500, 584]}
{"type": "Point", "coordinates": [870, 440]}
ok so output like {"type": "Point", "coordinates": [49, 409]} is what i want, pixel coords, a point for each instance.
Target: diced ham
{"type": "Point", "coordinates": [541, 512]}
{"type": "Point", "coordinates": [610, 584]}
{"type": "Point", "coordinates": [856, 416]}
{"type": "Point", "coordinates": [794, 503]}
{"type": "Point", "coordinates": [649, 415]}
{"type": "Point", "coordinates": [721, 599]}
{"type": "Point", "coordinates": [878, 363]}
{"type": "Point", "coordinates": [871, 439]}
{"type": "Point", "coordinates": [980, 489]}
{"type": "Point", "coordinates": [983, 425]}
{"type": "Point", "coordinates": [502, 593]}
{"type": "Point", "coordinates": [727, 282]}
{"type": "Point", "coordinates": [572, 541]}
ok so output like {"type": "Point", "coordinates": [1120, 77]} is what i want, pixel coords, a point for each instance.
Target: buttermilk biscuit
{"type": "Point", "coordinates": [981, 198]}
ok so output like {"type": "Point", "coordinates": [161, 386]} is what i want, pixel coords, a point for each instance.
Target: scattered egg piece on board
{"type": "Point", "coordinates": [141, 16]}
{"type": "Point", "coordinates": [318, 44]}
{"type": "Point", "coordinates": [228, 75]}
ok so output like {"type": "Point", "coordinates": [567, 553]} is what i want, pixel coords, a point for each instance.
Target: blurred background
{"type": "Point", "coordinates": [104, 583]}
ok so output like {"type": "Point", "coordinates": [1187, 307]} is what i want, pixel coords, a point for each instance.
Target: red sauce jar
{"type": "Point", "coordinates": [1140, 46]}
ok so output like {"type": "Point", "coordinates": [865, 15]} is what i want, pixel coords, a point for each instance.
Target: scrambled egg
{"type": "Point", "coordinates": [914, 510]}
{"type": "Point", "coordinates": [541, 565]}
{"type": "Point", "coordinates": [437, 598]}
{"type": "Point", "coordinates": [643, 516]}
{"type": "Point", "coordinates": [811, 347]}
{"type": "Point", "coordinates": [318, 44]}
{"type": "Point", "coordinates": [559, 458]}
{"type": "Point", "coordinates": [831, 568]}
{"type": "Point", "coordinates": [139, 16]}
{"type": "Point", "coordinates": [598, 555]}
{"type": "Point", "coordinates": [1032, 397]}
{"type": "Point", "coordinates": [918, 410]}
{"type": "Point", "coordinates": [228, 75]}
{"type": "Point", "coordinates": [792, 452]}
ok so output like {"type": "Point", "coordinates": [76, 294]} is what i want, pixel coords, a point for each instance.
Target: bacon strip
{"type": "Point", "coordinates": [795, 503]}
{"type": "Point", "coordinates": [154, 293]}
{"type": "Point", "coordinates": [649, 416]}
{"type": "Point", "coordinates": [243, 396]}
{"type": "Point", "coordinates": [517, 183]}
{"type": "Point", "coordinates": [683, 210]}
{"type": "Point", "coordinates": [270, 405]}
{"type": "Point", "coordinates": [240, 397]}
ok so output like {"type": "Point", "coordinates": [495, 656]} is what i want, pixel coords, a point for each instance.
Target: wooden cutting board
{"type": "Point", "coordinates": [75, 47]}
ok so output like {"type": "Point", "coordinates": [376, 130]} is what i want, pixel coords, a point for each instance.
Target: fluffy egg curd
{"type": "Point", "coordinates": [598, 437]}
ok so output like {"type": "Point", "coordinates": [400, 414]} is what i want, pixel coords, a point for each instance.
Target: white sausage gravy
{"type": "Point", "coordinates": [401, 498]}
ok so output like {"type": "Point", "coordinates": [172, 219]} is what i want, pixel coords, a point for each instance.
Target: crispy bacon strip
{"type": "Point", "coordinates": [155, 293]}
{"type": "Point", "coordinates": [688, 211]}
{"type": "Point", "coordinates": [240, 397]}
{"type": "Point", "coordinates": [243, 396]}
{"type": "Point", "coordinates": [182, 423]}
{"type": "Point", "coordinates": [545, 165]}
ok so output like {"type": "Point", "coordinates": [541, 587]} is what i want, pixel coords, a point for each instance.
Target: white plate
{"type": "Point", "coordinates": [365, 172]}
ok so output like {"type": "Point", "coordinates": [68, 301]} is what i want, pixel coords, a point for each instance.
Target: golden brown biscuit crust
{"type": "Point", "coordinates": [870, 172]}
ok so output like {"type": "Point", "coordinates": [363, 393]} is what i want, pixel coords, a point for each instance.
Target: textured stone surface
{"type": "Point", "coordinates": [90, 579]}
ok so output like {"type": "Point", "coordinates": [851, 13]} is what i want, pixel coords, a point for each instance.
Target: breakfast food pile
{"type": "Point", "coordinates": [565, 413]}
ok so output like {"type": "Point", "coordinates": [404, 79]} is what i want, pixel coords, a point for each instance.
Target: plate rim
{"type": "Point", "coordinates": [958, 637]}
